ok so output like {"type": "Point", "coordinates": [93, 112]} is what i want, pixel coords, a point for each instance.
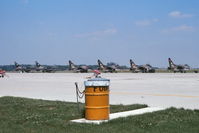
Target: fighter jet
{"type": "Point", "coordinates": [107, 68]}
{"type": "Point", "coordinates": [41, 68]}
{"type": "Point", "coordinates": [177, 68]}
{"type": "Point", "coordinates": [147, 68]}
{"type": "Point", "coordinates": [21, 68]}
{"type": "Point", "coordinates": [2, 73]}
{"type": "Point", "coordinates": [79, 68]}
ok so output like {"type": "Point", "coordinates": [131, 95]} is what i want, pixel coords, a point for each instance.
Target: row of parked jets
{"type": "Point", "coordinates": [37, 68]}
{"type": "Point", "coordinates": [147, 68]}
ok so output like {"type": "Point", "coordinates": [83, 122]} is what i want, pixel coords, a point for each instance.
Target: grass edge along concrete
{"type": "Point", "coordinates": [30, 115]}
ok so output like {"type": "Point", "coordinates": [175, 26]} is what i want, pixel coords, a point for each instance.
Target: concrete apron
{"type": "Point", "coordinates": [120, 114]}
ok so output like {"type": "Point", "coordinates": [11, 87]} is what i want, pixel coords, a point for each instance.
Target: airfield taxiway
{"type": "Point", "coordinates": [153, 89]}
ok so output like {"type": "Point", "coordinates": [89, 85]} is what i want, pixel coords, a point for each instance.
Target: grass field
{"type": "Point", "coordinates": [22, 115]}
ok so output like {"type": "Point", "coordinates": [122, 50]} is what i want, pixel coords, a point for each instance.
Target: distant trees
{"type": "Point", "coordinates": [7, 67]}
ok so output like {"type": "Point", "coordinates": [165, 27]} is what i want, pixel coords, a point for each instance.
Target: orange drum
{"type": "Point", "coordinates": [97, 99]}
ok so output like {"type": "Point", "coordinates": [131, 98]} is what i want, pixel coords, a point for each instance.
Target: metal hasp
{"type": "Point", "coordinates": [97, 99]}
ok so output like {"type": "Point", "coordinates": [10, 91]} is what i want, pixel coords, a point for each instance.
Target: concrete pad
{"type": "Point", "coordinates": [83, 120]}
{"type": "Point", "coordinates": [154, 89]}
{"type": "Point", "coordinates": [120, 114]}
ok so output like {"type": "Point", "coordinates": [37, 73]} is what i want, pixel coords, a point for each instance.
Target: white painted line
{"type": "Point", "coordinates": [121, 114]}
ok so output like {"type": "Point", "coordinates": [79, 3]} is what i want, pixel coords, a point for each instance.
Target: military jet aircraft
{"type": "Point", "coordinates": [2, 73]}
{"type": "Point", "coordinates": [177, 68]}
{"type": "Point", "coordinates": [79, 68]}
{"type": "Point", "coordinates": [41, 68]}
{"type": "Point", "coordinates": [147, 68]}
{"type": "Point", "coordinates": [21, 68]}
{"type": "Point", "coordinates": [107, 68]}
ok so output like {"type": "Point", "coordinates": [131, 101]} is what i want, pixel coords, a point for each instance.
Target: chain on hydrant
{"type": "Point", "coordinates": [79, 94]}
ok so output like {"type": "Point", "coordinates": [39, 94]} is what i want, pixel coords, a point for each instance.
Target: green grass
{"type": "Point", "coordinates": [21, 115]}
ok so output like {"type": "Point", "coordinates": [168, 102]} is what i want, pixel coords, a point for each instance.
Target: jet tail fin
{"type": "Point", "coordinates": [133, 65]}
{"type": "Point", "coordinates": [100, 64]}
{"type": "Point", "coordinates": [171, 64]}
{"type": "Point", "coordinates": [71, 65]}
{"type": "Point", "coordinates": [37, 64]}
{"type": "Point", "coordinates": [16, 64]}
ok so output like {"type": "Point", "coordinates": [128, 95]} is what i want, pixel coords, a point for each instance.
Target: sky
{"type": "Point", "coordinates": [55, 31]}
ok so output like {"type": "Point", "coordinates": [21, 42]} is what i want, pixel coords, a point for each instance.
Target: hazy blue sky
{"type": "Point", "coordinates": [54, 31]}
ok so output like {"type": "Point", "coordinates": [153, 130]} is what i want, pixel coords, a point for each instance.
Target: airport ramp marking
{"type": "Point", "coordinates": [150, 94]}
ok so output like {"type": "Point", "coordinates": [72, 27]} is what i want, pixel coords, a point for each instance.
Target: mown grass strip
{"type": "Point", "coordinates": [29, 115]}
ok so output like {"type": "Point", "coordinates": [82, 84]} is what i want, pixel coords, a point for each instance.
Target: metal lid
{"type": "Point", "coordinates": [98, 79]}
{"type": "Point", "coordinates": [97, 82]}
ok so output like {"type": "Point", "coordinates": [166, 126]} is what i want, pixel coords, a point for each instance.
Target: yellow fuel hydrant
{"type": "Point", "coordinates": [97, 99]}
